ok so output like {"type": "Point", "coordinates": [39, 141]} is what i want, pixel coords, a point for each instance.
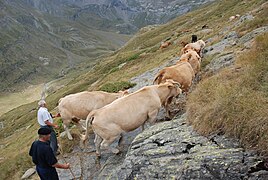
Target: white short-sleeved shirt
{"type": "Point", "coordinates": [43, 115]}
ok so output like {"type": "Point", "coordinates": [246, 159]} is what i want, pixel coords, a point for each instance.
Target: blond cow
{"type": "Point", "coordinates": [182, 73]}
{"type": "Point", "coordinates": [128, 113]}
{"type": "Point", "coordinates": [75, 107]}
{"type": "Point", "coordinates": [193, 58]}
{"type": "Point", "coordinates": [198, 46]}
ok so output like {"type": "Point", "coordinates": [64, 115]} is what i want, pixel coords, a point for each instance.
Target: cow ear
{"type": "Point", "coordinates": [170, 86]}
{"type": "Point", "coordinates": [125, 92]}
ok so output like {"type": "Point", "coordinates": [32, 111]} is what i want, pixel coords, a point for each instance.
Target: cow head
{"type": "Point", "coordinates": [174, 87]}
{"type": "Point", "coordinates": [201, 43]}
{"type": "Point", "coordinates": [174, 91]}
{"type": "Point", "coordinates": [185, 57]}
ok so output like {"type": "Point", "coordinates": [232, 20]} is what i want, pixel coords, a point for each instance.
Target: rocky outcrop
{"type": "Point", "coordinates": [172, 150]}
{"type": "Point", "coordinates": [167, 150]}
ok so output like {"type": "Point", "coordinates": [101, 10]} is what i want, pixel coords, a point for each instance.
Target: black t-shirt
{"type": "Point", "coordinates": [42, 154]}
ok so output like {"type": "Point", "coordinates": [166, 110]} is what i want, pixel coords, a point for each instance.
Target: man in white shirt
{"type": "Point", "coordinates": [45, 120]}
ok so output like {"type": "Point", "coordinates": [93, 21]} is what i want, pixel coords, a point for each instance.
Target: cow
{"type": "Point", "coordinates": [193, 58]}
{"type": "Point", "coordinates": [128, 113]}
{"type": "Point", "coordinates": [198, 46]}
{"type": "Point", "coordinates": [182, 73]}
{"type": "Point", "coordinates": [165, 44]}
{"type": "Point", "coordinates": [76, 107]}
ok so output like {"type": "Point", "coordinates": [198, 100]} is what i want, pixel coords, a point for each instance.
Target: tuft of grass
{"type": "Point", "coordinates": [117, 86]}
{"type": "Point", "coordinates": [66, 145]}
{"type": "Point", "coordinates": [207, 59]}
{"type": "Point", "coordinates": [235, 101]}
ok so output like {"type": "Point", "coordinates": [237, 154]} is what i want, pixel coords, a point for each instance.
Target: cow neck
{"type": "Point", "coordinates": [181, 63]}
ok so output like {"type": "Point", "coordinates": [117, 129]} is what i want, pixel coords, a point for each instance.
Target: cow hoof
{"type": "Point", "coordinates": [70, 138]}
{"type": "Point", "coordinates": [98, 155]}
{"type": "Point", "coordinates": [115, 151]}
{"type": "Point", "coordinates": [167, 118]}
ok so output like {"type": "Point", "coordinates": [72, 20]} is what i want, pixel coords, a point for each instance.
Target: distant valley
{"type": "Point", "coordinates": [42, 40]}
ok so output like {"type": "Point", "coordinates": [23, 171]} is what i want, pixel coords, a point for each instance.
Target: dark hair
{"type": "Point", "coordinates": [44, 131]}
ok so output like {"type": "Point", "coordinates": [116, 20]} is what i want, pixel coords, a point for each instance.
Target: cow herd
{"type": "Point", "coordinates": [112, 114]}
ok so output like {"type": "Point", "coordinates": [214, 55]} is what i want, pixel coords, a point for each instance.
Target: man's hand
{"type": "Point", "coordinates": [66, 166]}
{"type": "Point", "coordinates": [62, 166]}
{"type": "Point", "coordinates": [56, 126]}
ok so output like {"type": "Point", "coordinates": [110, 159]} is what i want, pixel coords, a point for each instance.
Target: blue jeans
{"type": "Point", "coordinates": [53, 140]}
{"type": "Point", "coordinates": [47, 173]}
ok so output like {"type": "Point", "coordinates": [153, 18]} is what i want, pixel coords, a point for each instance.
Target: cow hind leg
{"type": "Point", "coordinates": [81, 125]}
{"type": "Point", "coordinates": [167, 108]}
{"type": "Point", "coordinates": [106, 144]}
{"type": "Point", "coordinates": [152, 116]}
{"type": "Point", "coordinates": [97, 142]}
{"type": "Point", "coordinates": [121, 139]}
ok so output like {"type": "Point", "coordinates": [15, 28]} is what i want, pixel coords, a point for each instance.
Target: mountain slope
{"type": "Point", "coordinates": [43, 40]}
{"type": "Point", "coordinates": [38, 47]}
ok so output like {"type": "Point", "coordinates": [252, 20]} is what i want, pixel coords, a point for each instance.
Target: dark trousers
{"type": "Point", "coordinates": [47, 173]}
{"type": "Point", "coordinates": [53, 140]}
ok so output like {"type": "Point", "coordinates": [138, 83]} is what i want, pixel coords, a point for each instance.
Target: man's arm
{"type": "Point", "coordinates": [51, 124]}
{"type": "Point", "coordinates": [61, 166]}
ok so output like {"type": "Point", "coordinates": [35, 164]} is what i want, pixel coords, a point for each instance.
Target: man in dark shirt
{"type": "Point", "coordinates": [44, 158]}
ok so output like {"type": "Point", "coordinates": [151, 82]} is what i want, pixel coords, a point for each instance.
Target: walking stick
{"type": "Point", "coordinates": [66, 162]}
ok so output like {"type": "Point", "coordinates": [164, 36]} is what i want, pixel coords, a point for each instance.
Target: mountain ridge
{"type": "Point", "coordinates": [37, 36]}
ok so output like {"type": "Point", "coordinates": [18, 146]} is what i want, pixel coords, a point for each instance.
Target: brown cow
{"type": "Point", "coordinates": [165, 44]}
{"type": "Point", "coordinates": [128, 113]}
{"type": "Point", "coordinates": [75, 107]}
{"type": "Point", "coordinates": [182, 73]}
{"type": "Point", "coordinates": [193, 58]}
{"type": "Point", "coordinates": [198, 46]}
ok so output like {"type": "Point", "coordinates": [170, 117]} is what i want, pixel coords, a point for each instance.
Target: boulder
{"type": "Point", "coordinates": [28, 173]}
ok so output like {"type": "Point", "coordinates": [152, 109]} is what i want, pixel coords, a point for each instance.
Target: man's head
{"type": "Point", "coordinates": [44, 133]}
{"type": "Point", "coordinates": [42, 103]}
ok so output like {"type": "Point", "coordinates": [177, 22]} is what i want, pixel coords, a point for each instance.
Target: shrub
{"type": "Point", "coordinates": [117, 86]}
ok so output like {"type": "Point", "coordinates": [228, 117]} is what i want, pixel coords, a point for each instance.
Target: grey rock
{"type": "Point", "coordinates": [63, 134]}
{"type": "Point", "coordinates": [220, 46]}
{"type": "Point", "coordinates": [220, 62]}
{"type": "Point", "coordinates": [28, 173]}
{"type": "Point", "coordinates": [259, 175]}
{"type": "Point", "coordinates": [172, 150]}
{"type": "Point", "coordinates": [249, 36]}
{"type": "Point", "coordinates": [75, 169]}
{"type": "Point", "coordinates": [147, 78]}
{"type": "Point", "coordinates": [246, 17]}
{"type": "Point", "coordinates": [231, 34]}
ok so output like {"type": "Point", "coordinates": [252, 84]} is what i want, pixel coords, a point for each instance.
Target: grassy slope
{"type": "Point", "coordinates": [140, 54]}
{"type": "Point", "coordinates": [235, 101]}
{"type": "Point", "coordinates": [25, 37]}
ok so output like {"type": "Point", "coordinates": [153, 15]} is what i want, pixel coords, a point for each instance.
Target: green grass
{"type": "Point", "coordinates": [116, 86]}
{"type": "Point", "coordinates": [235, 101]}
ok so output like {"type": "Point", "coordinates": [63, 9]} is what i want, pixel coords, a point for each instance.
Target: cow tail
{"type": "Point", "coordinates": [57, 108]}
{"type": "Point", "coordinates": [88, 124]}
{"type": "Point", "coordinates": [158, 78]}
